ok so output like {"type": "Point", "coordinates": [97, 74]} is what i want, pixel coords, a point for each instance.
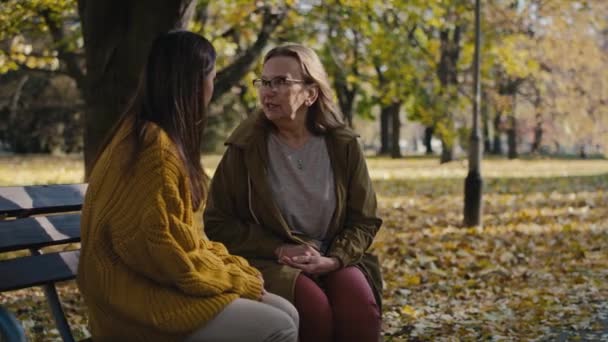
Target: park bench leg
{"type": "Point", "coordinates": [52, 298]}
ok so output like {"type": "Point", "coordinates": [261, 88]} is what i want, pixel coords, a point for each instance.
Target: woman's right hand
{"type": "Point", "coordinates": [288, 251]}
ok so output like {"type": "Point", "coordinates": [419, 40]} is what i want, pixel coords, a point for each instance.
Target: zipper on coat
{"type": "Point", "coordinates": [255, 218]}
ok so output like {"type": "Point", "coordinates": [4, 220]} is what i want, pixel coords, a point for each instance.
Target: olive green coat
{"type": "Point", "coordinates": [242, 214]}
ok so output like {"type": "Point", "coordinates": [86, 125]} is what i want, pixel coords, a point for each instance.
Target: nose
{"type": "Point", "coordinates": [266, 92]}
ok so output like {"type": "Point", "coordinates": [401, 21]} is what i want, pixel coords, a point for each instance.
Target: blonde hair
{"type": "Point", "coordinates": [324, 114]}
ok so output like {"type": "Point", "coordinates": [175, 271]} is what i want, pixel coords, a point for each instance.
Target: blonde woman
{"type": "Point", "coordinates": [292, 194]}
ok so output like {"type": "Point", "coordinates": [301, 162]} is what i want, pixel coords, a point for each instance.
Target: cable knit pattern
{"type": "Point", "coordinates": [147, 271]}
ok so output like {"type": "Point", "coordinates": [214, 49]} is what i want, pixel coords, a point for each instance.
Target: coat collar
{"type": "Point", "coordinates": [245, 132]}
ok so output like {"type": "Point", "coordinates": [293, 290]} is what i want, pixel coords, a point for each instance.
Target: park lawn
{"type": "Point", "coordinates": [539, 265]}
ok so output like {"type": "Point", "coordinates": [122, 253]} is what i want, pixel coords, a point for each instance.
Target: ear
{"type": "Point", "coordinates": [311, 95]}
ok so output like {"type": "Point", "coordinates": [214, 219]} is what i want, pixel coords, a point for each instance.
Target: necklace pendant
{"type": "Point", "coordinates": [299, 164]}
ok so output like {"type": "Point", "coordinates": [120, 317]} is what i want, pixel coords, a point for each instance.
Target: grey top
{"type": "Point", "coordinates": [302, 182]}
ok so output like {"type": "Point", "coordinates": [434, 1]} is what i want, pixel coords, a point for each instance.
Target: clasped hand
{"type": "Point", "coordinates": [306, 258]}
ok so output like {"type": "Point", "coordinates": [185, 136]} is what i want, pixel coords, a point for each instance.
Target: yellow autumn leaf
{"type": "Point", "coordinates": [408, 310]}
{"type": "Point", "coordinates": [411, 280]}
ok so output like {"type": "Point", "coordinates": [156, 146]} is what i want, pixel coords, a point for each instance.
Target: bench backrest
{"type": "Point", "coordinates": [32, 217]}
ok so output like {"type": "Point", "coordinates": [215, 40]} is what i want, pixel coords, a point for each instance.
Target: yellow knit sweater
{"type": "Point", "coordinates": [147, 271]}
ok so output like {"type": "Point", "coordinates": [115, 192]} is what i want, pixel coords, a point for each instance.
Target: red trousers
{"type": "Point", "coordinates": [344, 309]}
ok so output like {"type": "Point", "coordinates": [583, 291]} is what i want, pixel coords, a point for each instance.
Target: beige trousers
{"type": "Point", "coordinates": [273, 319]}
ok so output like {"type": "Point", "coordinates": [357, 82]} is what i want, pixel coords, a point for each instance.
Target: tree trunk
{"type": "Point", "coordinates": [395, 129]}
{"type": "Point", "coordinates": [428, 137]}
{"type": "Point", "coordinates": [538, 134]}
{"type": "Point", "coordinates": [508, 87]}
{"type": "Point", "coordinates": [497, 148]}
{"type": "Point", "coordinates": [447, 72]}
{"type": "Point", "coordinates": [487, 140]}
{"type": "Point", "coordinates": [485, 116]}
{"type": "Point", "coordinates": [345, 92]}
{"type": "Point", "coordinates": [583, 152]}
{"type": "Point", "coordinates": [346, 99]}
{"type": "Point", "coordinates": [117, 36]}
{"type": "Point", "coordinates": [447, 152]}
{"type": "Point", "coordinates": [385, 131]}
{"type": "Point", "coordinates": [512, 137]}
{"type": "Point", "coordinates": [558, 147]}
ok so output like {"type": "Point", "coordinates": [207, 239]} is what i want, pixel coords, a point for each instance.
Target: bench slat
{"type": "Point", "coordinates": [36, 270]}
{"type": "Point", "coordinates": [37, 232]}
{"type": "Point", "coordinates": [20, 201]}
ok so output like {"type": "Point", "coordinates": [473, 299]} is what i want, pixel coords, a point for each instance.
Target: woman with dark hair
{"type": "Point", "coordinates": [292, 194]}
{"type": "Point", "coordinates": [147, 270]}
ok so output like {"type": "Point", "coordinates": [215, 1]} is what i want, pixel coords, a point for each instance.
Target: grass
{"type": "Point", "coordinates": [44, 169]}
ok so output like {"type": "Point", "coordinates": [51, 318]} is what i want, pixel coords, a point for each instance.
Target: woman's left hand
{"type": "Point", "coordinates": [313, 264]}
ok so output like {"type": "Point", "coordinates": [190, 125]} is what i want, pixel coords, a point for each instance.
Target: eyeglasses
{"type": "Point", "coordinates": [275, 83]}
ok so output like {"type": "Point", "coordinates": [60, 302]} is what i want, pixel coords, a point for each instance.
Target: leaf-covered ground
{"type": "Point", "coordinates": [538, 267]}
{"type": "Point", "coordinates": [538, 270]}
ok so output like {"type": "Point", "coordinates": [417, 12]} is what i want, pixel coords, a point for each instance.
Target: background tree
{"type": "Point", "coordinates": [111, 40]}
{"type": "Point", "coordinates": [41, 77]}
{"type": "Point", "coordinates": [544, 67]}
{"type": "Point", "coordinates": [117, 37]}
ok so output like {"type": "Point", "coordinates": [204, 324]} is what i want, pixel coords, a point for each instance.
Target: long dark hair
{"type": "Point", "coordinates": [170, 95]}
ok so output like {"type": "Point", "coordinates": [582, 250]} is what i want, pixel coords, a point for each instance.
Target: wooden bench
{"type": "Point", "coordinates": [33, 217]}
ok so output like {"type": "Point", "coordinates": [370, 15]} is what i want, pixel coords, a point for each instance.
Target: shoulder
{"type": "Point", "coordinates": [160, 155]}
{"type": "Point", "coordinates": [155, 138]}
{"type": "Point", "coordinates": [247, 132]}
{"type": "Point", "coordinates": [344, 150]}
{"type": "Point", "coordinates": [161, 161]}
{"type": "Point", "coordinates": [343, 138]}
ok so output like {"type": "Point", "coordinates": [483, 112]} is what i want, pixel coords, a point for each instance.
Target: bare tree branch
{"type": "Point", "coordinates": [16, 96]}
{"type": "Point", "coordinates": [70, 59]}
{"type": "Point", "coordinates": [40, 71]}
{"type": "Point", "coordinates": [229, 76]}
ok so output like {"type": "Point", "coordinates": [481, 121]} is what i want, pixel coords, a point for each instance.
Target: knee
{"type": "Point", "coordinates": [289, 310]}
{"type": "Point", "coordinates": [311, 302]}
{"type": "Point", "coordinates": [292, 312]}
{"type": "Point", "coordinates": [352, 297]}
{"type": "Point", "coordinates": [285, 329]}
